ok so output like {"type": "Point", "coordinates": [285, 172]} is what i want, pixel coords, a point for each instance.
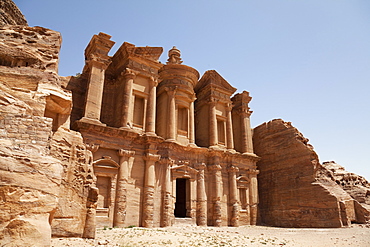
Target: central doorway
{"type": "Point", "coordinates": [181, 197]}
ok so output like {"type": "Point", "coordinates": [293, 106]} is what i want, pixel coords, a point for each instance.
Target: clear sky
{"type": "Point", "coordinates": [307, 62]}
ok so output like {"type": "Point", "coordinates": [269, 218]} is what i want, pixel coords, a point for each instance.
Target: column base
{"type": "Point", "coordinates": [171, 140]}
{"type": "Point", "coordinates": [215, 147]}
{"type": "Point", "coordinates": [91, 121]}
{"type": "Point", "coordinates": [192, 145]}
{"type": "Point", "coordinates": [150, 134]}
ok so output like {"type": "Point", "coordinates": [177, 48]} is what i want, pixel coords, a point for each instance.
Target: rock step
{"type": "Point", "coordinates": [184, 222]}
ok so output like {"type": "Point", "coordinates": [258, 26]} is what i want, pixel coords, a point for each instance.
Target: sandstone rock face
{"type": "Point", "coordinates": [294, 189]}
{"type": "Point", "coordinates": [45, 168]}
{"type": "Point", "coordinates": [356, 186]}
{"type": "Point", "coordinates": [35, 47]}
{"type": "Point", "coordinates": [70, 215]}
{"type": "Point", "coordinates": [10, 14]}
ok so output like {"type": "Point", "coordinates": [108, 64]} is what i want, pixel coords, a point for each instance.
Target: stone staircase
{"type": "Point", "coordinates": [184, 222]}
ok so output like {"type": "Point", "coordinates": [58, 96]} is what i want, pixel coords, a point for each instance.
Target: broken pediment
{"type": "Point", "coordinates": [213, 79]}
{"type": "Point", "coordinates": [148, 52]}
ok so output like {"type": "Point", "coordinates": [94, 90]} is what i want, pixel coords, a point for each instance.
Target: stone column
{"type": "Point", "coordinates": [171, 134]}
{"type": "Point", "coordinates": [94, 95]}
{"type": "Point", "coordinates": [234, 195]}
{"type": "Point", "coordinates": [192, 207]}
{"type": "Point", "coordinates": [97, 61]}
{"type": "Point", "coordinates": [151, 107]}
{"type": "Point", "coordinates": [90, 222]}
{"type": "Point", "coordinates": [202, 198]}
{"type": "Point", "coordinates": [191, 123]}
{"type": "Point", "coordinates": [246, 132]}
{"type": "Point", "coordinates": [121, 192]}
{"type": "Point", "coordinates": [148, 208]}
{"type": "Point", "coordinates": [213, 138]}
{"type": "Point", "coordinates": [253, 196]}
{"type": "Point", "coordinates": [129, 77]}
{"type": "Point", "coordinates": [167, 197]}
{"type": "Point", "coordinates": [217, 213]}
{"type": "Point", "coordinates": [249, 133]}
{"type": "Point", "coordinates": [229, 129]}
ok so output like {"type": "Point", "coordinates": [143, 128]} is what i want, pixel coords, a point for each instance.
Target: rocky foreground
{"type": "Point", "coordinates": [357, 235]}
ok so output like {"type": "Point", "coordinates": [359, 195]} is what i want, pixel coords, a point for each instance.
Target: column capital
{"type": "Point", "coordinates": [201, 166]}
{"type": "Point", "coordinates": [232, 169]}
{"type": "Point", "coordinates": [212, 101]}
{"type": "Point", "coordinates": [193, 97]}
{"type": "Point", "coordinates": [98, 62]}
{"type": "Point", "coordinates": [92, 147]}
{"type": "Point", "coordinates": [229, 106]}
{"type": "Point", "coordinates": [128, 74]}
{"type": "Point", "coordinates": [153, 81]}
{"type": "Point", "coordinates": [152, 157]}
{"type": "Point", "coordinates": [167, 161]}
{"type": "Point", "coordinates": [244, 112]}
{"type": "Point", "coordinates": [126, 153]}
{"type": "Point", "coordinates": [252, 172]}
{"type": "Point", "coordinates": [215, 168]}
{"type": "Point", "coordinates": [171, 90]}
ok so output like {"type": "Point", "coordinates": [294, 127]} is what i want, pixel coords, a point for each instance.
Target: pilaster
{"type": "Point", "coordinates": [126, 157]}
{"type": "Point", "coordinates": [192, 122]}
{"type": "Point", "coordinates": [217, 210]}
{"type": "Point", "coordinates": [234, 202]}
{"type": "Point", "coordinates": [151, 107]}
{"type": "Point", "coordinates": [97, 61]}
{"type": "Point", "coordinates": [229, 128]}
{"type": "Point", "coordinates": [148, 208]}
{"type": "Point", "coordinates": [213, 138]}
{"type": "Point", "coordinates": [167, 194]}
{"type": "Point", "coordinates": [171, 92]}
{"type": "Point", "coordinates": [202, 198]}
{"type": "Point", "coordinates": [253, 196]}
{"type": "Point", "coordinates": [127, 107]}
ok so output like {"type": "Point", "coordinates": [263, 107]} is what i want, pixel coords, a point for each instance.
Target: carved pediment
{"type": "Point", "coordinates": [214, 79]}
{"type": "Point", "coordinates": [243, 182]}
{"type": "Point", "coordinates": [106, 162]}
{"type": "Point", "coordinates": [184, 169]}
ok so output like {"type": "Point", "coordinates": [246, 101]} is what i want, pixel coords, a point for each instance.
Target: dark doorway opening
{"type": "Point", "coordinates": [181, 192]}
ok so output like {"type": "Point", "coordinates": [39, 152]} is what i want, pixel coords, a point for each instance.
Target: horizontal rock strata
{"type": "Point", "coordinates": [292, 194]}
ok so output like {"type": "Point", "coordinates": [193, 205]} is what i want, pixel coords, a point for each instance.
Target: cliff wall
{"type": "Point", "coordinates": [291, 191]}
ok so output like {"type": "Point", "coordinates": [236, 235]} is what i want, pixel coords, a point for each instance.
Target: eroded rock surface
{"type": "Point", "coordinates": [357, 186]}
{"type": "Point", "coordinates": [10, 14]}
{"type": "Point", "coordinates": [45, 168]}
{"type": "Point", "coordinates": [295, 189]}
{"type": "Point", "coordinates": [24, 46]}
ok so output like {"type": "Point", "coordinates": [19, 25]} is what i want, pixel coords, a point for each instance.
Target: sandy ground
{"type": "Point", "coordinates": [357, 235]}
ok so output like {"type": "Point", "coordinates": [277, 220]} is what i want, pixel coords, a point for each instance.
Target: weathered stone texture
{"type": "Point", "coordinates": [10, 14]}
{"type": "Point", "coordinates": [291, 192]}
{"type": "Point", "coordinates": [77, 179]}
{"type": "Point", "coordinates": [45, 168]}
{"type": "Point", "coordinates": [356, 186]}
{"type": "Point", "coordinates": [26, 132]}
{"type": "Point", "coordinates": [35, 47]}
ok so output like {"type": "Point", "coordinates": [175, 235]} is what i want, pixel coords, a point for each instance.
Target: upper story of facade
{"type": "Point", "coordinates": [133, 91]}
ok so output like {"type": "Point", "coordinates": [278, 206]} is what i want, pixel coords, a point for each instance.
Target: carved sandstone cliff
{"type": "Point", "coordinates": [45, 168]}
{"type": "Point", "coordinates": [356, 186]}
{"type": "Point", "coordinates": [295, 190]}
{"type": "Point", "coordinates": [10, 14]}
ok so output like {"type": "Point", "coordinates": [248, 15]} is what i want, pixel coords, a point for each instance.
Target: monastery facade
{"type": "Point", "coordinates": [165, 143]}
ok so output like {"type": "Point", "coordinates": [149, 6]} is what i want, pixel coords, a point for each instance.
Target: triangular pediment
{"type": "Point", "coordinates": [212, 78]}
{"type": "Point", "coordinates": [148, 52]}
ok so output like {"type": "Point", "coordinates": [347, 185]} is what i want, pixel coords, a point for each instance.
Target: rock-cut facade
{"type": "Point", "coordinates": [165, 142]}
{"type": "Point", "coordinates": [134, 142]}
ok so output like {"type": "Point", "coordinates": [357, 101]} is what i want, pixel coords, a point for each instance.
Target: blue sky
{"type": "Point", "coordinates": [307, 62]}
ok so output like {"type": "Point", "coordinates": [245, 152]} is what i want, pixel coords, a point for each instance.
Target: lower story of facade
{"type": "Point", "coordinates": [147, 181]}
